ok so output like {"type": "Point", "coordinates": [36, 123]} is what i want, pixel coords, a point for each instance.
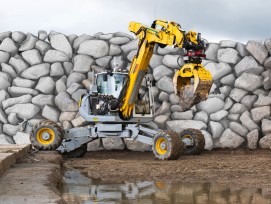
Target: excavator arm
{"type": "Point", "coordinates": [168, 34]}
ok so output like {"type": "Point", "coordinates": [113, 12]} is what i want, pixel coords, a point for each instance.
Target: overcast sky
{"type": "Point", "coordinates": [239, 20]}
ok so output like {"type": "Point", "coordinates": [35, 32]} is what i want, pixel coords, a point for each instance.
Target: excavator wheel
{"type": "Point", "coordinates": [77, 153]}
{"type": "Point", "coordinates": [195, 139]}
{"type": "Point", "coordinates": [167, 145]}
{"type": "Point", "coordinates": [46, 135]}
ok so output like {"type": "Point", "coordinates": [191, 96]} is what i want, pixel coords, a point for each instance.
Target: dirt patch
{"type": "Point", "coordinates": [243, 168]}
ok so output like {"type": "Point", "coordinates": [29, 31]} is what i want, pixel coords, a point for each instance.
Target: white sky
{"type": "Point", "coordinates": [239, 20]}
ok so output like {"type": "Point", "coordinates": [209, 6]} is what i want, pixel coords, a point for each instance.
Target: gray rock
{"type": "Point", "coordinates": [241, 49]}
{"type": "Point", "coordinates": [160, 71]}
{"type": "Point", "coordinates": [155, 61]}
{"type": "Point", "coordinates": [228, 80]}
{"type": "Point", "coordinates": [267, 44]}
{"type": "Point", "coordinates": [57, 70]}
{"type": "Point", "coordinates": [211, 51]}
{"type": "Point", "coordinates": [4, 81]}
{"type": "Point", "coordinates": [114, 50]}
{"type": "Point", "coordinates": [20, 82]}
{"type": "Point", "coordinates": [75, 78]}
{"type": "Point", "coordinates": [219, 115]}
{"type": "Point", "coordinates": [201, 116]}
{"type": "Point", "coordinates": [260, 91]}
{"type": "Point", "coordinates": [179, 125]}
{"type": "Point", "coordinates": [231, 140]}
{"type": "Point", "coordinates": [3, 116]}
{"type": "Point", "coordinates": [208, 140]}
{"type": "Point", "coordinates": [61, 43]}
{"type": "Point", "coordinates": [228, 103]}
{"type": "Point", "coordinates": [248, 82]}
{"type": "Point", "coordinates": [4, 35]}
{"type": "Point", "coordinates": [66, 125]}
{"type": "Point", "coordinates": [82, 63]}
{"type": "Point", "coordinates": [37, 71]}
{"type": "Point", "coordinates": [238, 94]}
{"type": "Point", "coordinates": [122, 34]}
{"type": "Point", "coordinates": [42, 35]}
{"type": "Point", "coordinates": [32, 57]}
{"type": "Point", "coordinates": [218, 70]}
{"type": "Point", "coordinates": [173, 61]}
{"type": "Point", "coordinates": [4, 139]}
{"type": "Point", "coordinates": [28, 43]}
{"type": "Point", "coordinates": [260, 113]}
{"type": "Point", "coordinates": [8, 45]}
{"type": "Point", "coordinates": [73, 87]}
{"type": "Point", "coordinates": [257, 50]}
{"type": "Point", "coordinates": [103, 61]}
{"type": "Point", "coordinates": [94, 48]}
{"type": "Point", "coordinates": [113, 143]}
{"type": "Point", "coordinates": [55, 56]}
{"type": "Point", "coordinates": [216, 129]}
{"type": "Point", "coordinates": [161, 120]}
{"type": "Point", "coordinates": [175, 108]}
{"type": "Point", "coordinates": [46, 85]}
{"type": "Point", "coordinates": [67, 67]}
{"type": "Point", "coordinates": [265, 142]}
{"type": "Point", "coordinates": [134, 145]}
{"type": "Point", "coordinates": [267, 79]}
{"type": "Point", "coordinates": [262, 101]}
{"type": "Point", "coordinates": [249, 100]}
{"type": "Point", "coordinates": [67, 116]}
{"type": "Point", "coordinates": [41, 100]}
{"type": "Point", "coordinates": [61, 84]}
{"type": "Point", "coordinates": [19, 100]}
{"type": "Point", "coordinates": [211, 105]}
{"type": "Point", "coordinates": [119, 40]}
{"type": "Point", "coordinates": [1, 129]}
{"type": "Point", "coordinates": [248, 64]}
{"type": "Point", "coordinates": [50, 113]}
{"type": "Point", "coordinates": [10, 130]}
{"type": "Point", "coordinates": [227, 43]}
{"type": "Point", "coordinates": [42, 47]}
{"type": "Point", "coordinates": [9, 70]}
{"type": "Point", "coordinates": [165, 84]}
{"type": "Point", "coordinates": [238, 108]}
{"type": "Point", "coordinates": [234, 117]}
{"type": "Point", "coordinates": [4, 57]}
{"type": "Point", "coordinates": [24, 111]}
{"type": "Point", "coordinates": [169, 50]}
{"type": "Point", "coordinates": [19, 91]}
{"type": "Point", "coordinates": [117, 62]}
{"type": "Point", "coordinates": [228, 55]}
{"type": "Point", "coordinates": [71, 38]}
{"type": "Point", "coordinates": [65, 103]}
{"type": "Point", "coordinates": [80, 39]}
{"type": "Point", "coordinates": [187, 115]}
{"type": "Point", "coordinates": [221, 96]}
{"type": "Point", "coordinates": [3, 96]}
{"type": "Point", "coordinates": [266, 126]}
{"type": "Point", "coordinates": [252, 139]}
{"type": "Point", "coordinates": [128, 47]}
{"type": "Point", "coordinates": [79, 121]}
{"type": "Point", "coordinates": [77, 94]}
{"type": "Point", "coordinates": [13, 119]}
{"type": "Point", "coordinates": [239, 129]}
{"type": "Point", "coordinates": [225, 90]}
{"type": "Point", "coordinates": [247, 121]}
{"type": "Point", "coordinates": [21, 138]}
{"type": "Point", "coordinates": [131, 55]}
{"type": "Point", "coordinates": [163, 96]}
{"type": "Point", "coordinates": [18, 64]}
{"type": "Point", "coordinates": [164, 109]}
{"type": "Point", "coordinates": [107, 36]}
{"type": "Point", "coordinates": [95, 145]}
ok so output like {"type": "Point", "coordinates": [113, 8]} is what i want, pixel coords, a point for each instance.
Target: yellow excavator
{"type": "Point", "coordinates": [114, 108]}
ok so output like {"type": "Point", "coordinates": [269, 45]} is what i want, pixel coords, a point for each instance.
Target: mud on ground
{"type": "Point", "coordinates": [242, 168]}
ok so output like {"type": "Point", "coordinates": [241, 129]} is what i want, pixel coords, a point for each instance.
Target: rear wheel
{"type": "Point", "coordinates": [194, 141]}
{"type": "Point", "coordinates": [77, 153]}
{"type": "Point", "coordinates": [167, 145]}
{"type": "Point", "coordinates": [46, 135]}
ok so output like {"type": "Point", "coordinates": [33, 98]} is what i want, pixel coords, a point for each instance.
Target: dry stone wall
{"type": "Point", "coordinates": [43, 77]}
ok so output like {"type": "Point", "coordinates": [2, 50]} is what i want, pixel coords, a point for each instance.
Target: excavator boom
{"type": "Point", "coordinates": [192, 82]}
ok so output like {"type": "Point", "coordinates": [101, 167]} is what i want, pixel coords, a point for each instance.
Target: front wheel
{"type": "Point", "coordinates": [193, 140]}
{"type": "Point", "coordinates": [46, 135]}
{"type": "Point", "coordinates": [167, 145]}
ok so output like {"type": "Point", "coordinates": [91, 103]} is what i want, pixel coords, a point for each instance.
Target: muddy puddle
{"type": "Point", "coordinates": [78, 188]}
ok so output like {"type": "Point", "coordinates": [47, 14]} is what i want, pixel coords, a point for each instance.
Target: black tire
{"type": "Point", "coordinates": [174, 146]}
{"type": "Point", "coordinates": [197, 139]}
{"type": "Point", "coordinates": [55, 135]}
{"type": "Point", "coordinates": [77, 153]}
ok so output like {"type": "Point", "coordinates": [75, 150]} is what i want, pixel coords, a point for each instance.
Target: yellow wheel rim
{"type": "Point", "coordinates": [187, 136]}
{"type": "Point", "coordinates": [45, 136]}
{"type": "Point", "coordinates": [161, 145]}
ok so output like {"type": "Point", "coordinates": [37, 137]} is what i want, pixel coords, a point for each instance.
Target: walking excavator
{"type": "Point", "coordinates": [115, 108]}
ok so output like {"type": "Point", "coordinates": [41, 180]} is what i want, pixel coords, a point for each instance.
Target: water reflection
{"type": "Point", "coordinates": [78, 188]}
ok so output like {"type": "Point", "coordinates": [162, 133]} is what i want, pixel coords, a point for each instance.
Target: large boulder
{"type": "Point", "coordinates": [249, 101]}
{"type": "Point", "coordinates": [228, 79]}
{"type": "Point", "coordinates": [75, 78]}
{"type": "Point", "coordinates": [42, 47]}
{"type": "Point", "coordinates": [257, 50]}
{"type": "Point", "coordinates": [211, 51]}
{"type": "Point", "coordinates": [10, 130]}
{"type": "Point", "coordinates": [265, 142]}
{"type": "Point", "coordinates": [179, 125]}
{"type": "Point", "coordinates": [201, 116]}
{"type": "Point", "coordinates": [228, 55]}
{"type": "Point", "coordinates": [208, 140]}
{"type": "Point", "coordinates": [227, 43]}
{"type": "Point", "coordinates": [21, 82]}
{"type": "Point", "coordinates": [37, 71]}
{"type": "Point", "coordinates": [64, 102]}
{"type": "Point", "coordinates": [218, 70]}
{"type": "Point", "coordinates": [248, 82]}
{"type": "Point", "coordinates": [114, 50]}
{"type": "Point", "coordinates": [241, 49]}
{"type": "Point", "coordinates": [21, 138]}
{"type": "Point", "coordinates": [32, 57]}
{"type": "Point", "coordinates": [238, 94]}
{"type": "Point", "coordinates": [19, 91]}
{"type": "Point", "coordinates": [266, 126]}
{"type": "Point", "coordinates": [161, 120]}
{"type": "Point", "coordinates": [187, 115]}
{"type": "Point", "coordinates": [82, 63]}
{"type": "Point", "coordinates": [252, 139]}
{"type": "Point", "coordinates": [9, 70]}
{"type": "Point", "coordinates": [219, 115]}
{"type": "Point", "coordinates": [216, 129]}
{"type": "Point", "coordinates": [5, 81]}
{"type": "Point", "coordinates": [18, 36]}
{"type": "Point", "coordinates": [61, 43]}
{"type": "Point", "coordinates": [8, 45]}
{"type": "Point", "coordinates": [128, 47]}
{"type": "Point", "coordinates": [173, 61]}
{"type": "Point", "coordinates": [50, 113]}
{"type": "Point", "coordinates": [119, 40]}
{"type": "Point", "coordinates": [94, 48]}
{"type": "Point", "coordinates": [24, 111]}
{"type": "Point", "coordinates": [12, 101]}
{"type": "Point", "coordinates": [262, 101]}
{"type": "Point", "coordinates": [247, 121]}
{"type": "Point", "coordinates": [267, 44]}
{"type": "Point", "coordinates": [239, 129]}
{"type": "Point", "coordinates": [56, 70]}
{"type": "Point", "coordinates": [41, 100]}
{"type": "Point", "coordinates": [113, 143]}
{"type": "Point", "coordinates": [80, 39]}
{"type": "Point", "coordinates": [231, 140]}
{"type": "Point", "coordinates": [3, 116]}
{"type": "Point", "coordinates": [160, 71]}
{"type": "Point", "coordinates": [55, 56]}
{"type": "Point", "coordinates": [104, 61]}
{"type": "Point", "coordinates": [211, 105]}
{"type": "Point", "coordinates": [46, 85]}
{"type": "Point", "coordinates": [4, 57]}
{"type": "Point", "coordinates": [165, 84]}
{"type": "Point", "coordinates": [18, 64]}
{"type": "Point", "coordinates": [260, 113]}
{"type": "Point", "coordinates": [248, 64]}
{"type": "Point", "coordinates": [28, 43]}
{"type": "Point", "coordinates": [155, 61]}
{"type": "Point", "coordinates": [267, 79]}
